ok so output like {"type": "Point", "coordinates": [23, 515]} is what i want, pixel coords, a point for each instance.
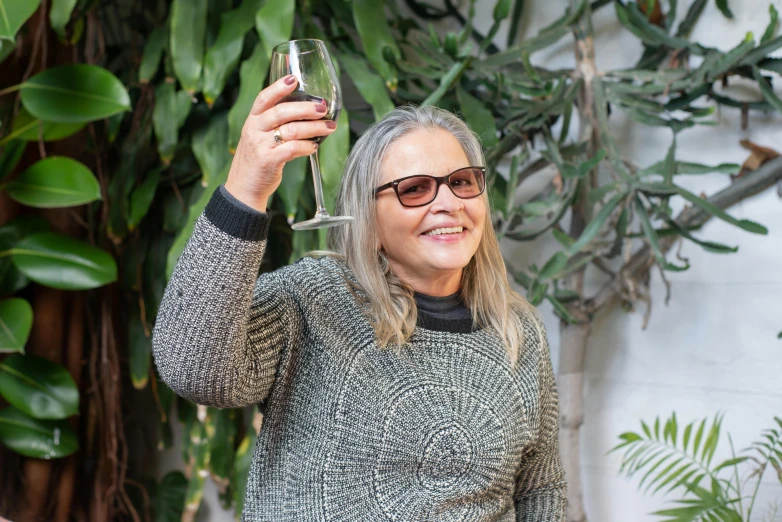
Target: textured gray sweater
{"type": "Point", "coordinates": [444, 431]}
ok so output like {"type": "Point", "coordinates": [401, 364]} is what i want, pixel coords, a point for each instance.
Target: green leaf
{"type": "Point", "coordinates": [772, 24]}
{"type": "Point", "coordinates": [765, 88]}
{"type": "Point", "coordinates": [501, 10]}
{"type": "Point", "coordinates": [252, 74]}
{"type": "Point", "coordinates": [42, 439]}
{"type": "Point", "coordinates": [55, 182]}
{"type": "Point", "coordinates": [555, 264]}
{"type": "Point", "coordinates": [16, 321]}
{"type": "Point", "coordinates": [168, 497]}
{"type": "Point", "coordinates": [170, 112]}
{"type": "Point", "coordinates": [478, 117]}
{"type": "Point", "coordinates": [274, 23]}
{"type": "Point", "coordinates": [77, 93]}
{"type": "Point", "coordinates": [651, 236]}
{"type": "Point", "coordinates": [153, 51]}
{"type": "Point", "coordinates": [193, 213]}
{"type": "Point", "coordinates": [38, 387]}
{"type": "Point", "coordinates": [139, 351]}
{"type": "Point", "coordinates": [199, 459]}
{"type": "Point", "coordinates": [14, 14]}
{"type": "Point", "coordinates": [683, 167]}
{"type": "Point", "coordinates": [60, 15]}
{"type": "Point", "coordinates": [242, 462]}
{"type": "Point", "coordinates": [223, 55]}
{"type": "Point", "coordinates": [561, 310]}
{"type": "Point", "coordinates": [595, 225]}
{"type": "Point", "coordinates": [368, 84]}
{"type": "Point", "coordinates": [692, 16]}
{"type": "Point", "coordinates": [11, 279]}
{"type": "Point", "coordinates": [332, 153]}
{"type": "Point", "coordinates": [10, 156]}
{"type": "Point", "coordinates": [536, 293]}
{"type": "Point", "coordinates": [141, 198]}
{"type": "Point", "coordinates": [59, 261]}
{"type": "Point", "coordinates": [294, 174]}
{"type": "Point", "coordinates": [515, 21]}
{"type": "Point", "coordinates": [723, 6]}
{"type": "Point", "coordinates": [188, 33]}
{"type": "Point", "coordinates": [714, 210]}
{"type": "Point", "coordinates": [375, 33]}
{"type": "Point", "coordinates": [761, 51]}
{"type": "Point", "coordinates": [210, 147]}
{"type": "Point", "coordinates": [447, 81]}
{"type": "Point", "coordinates": [28, 128]}
{"type": "Point", "coordinates": [221, 429]}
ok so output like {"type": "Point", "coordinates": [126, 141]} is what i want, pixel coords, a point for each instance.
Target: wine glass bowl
{"type": "Point", "coordinates": [309, 61]}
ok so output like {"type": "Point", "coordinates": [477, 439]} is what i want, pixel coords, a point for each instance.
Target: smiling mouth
{"type": "Point", "coordinates": [448, 231]}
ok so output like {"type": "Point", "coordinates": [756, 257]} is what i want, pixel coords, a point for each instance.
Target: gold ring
{"type": "Point", "coordinates": [278, 136]}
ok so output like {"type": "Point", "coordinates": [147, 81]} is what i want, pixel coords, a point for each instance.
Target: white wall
{"type": "Point", "coordinates": [714, 347]}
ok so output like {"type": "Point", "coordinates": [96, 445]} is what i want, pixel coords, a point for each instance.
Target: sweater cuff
{"type": "Point", "coordinates": [235, 218]}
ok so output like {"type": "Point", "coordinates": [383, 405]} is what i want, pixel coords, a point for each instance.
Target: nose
{"type": "Point", "coordinates": [446, 200]}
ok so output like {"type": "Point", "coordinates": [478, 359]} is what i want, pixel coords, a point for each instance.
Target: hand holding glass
{"type": "Point", "coordinates": [309, 61]}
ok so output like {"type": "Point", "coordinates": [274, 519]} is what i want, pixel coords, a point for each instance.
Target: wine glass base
{"type": "Point", "coordinates": [322, 222]}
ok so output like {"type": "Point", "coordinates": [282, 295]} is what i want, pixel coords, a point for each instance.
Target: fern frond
{"type": "Point", "coordinates": [667, 459]}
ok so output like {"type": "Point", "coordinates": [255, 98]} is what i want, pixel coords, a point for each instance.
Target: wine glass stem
{"type": "Point", "coordinates": [321, 211]}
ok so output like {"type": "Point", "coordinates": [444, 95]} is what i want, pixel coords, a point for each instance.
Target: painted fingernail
{"type": "Point", "coordinates": [320, 108]}
{"type": "Point", "coordinates": [331, 124]}
{"type": "Point", "coordinates": [290, 79]}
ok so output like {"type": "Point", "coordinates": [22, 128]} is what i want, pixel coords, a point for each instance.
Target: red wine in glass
{"type": "Point", "coordinates": [309, 61]}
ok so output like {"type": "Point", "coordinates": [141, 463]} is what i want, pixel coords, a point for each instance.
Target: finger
{"type": "Point", "coordinates": [291, 111]}
{"type": "Point", "coordinates": [302, 130]}
{"type": "Point", "coordinates": [271, 95]}
{"type": "Point", "coordinates": [291, 150]}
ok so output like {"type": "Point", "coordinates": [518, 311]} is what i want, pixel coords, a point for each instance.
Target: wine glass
{"type": "Point", "coordinates": [309, 61]}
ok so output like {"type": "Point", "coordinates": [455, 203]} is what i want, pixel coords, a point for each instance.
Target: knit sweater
{"type": "Point", "coordinates": [442, 430]}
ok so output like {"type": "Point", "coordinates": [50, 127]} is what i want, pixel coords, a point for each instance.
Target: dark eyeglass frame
{"type": "Point", "coordinates": [440, 180]}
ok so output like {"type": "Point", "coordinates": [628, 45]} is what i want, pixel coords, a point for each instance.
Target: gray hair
{"type": "Point", "coordinates": [485, 287]}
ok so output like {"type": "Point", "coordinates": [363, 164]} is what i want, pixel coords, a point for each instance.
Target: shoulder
{"type": "Point", "coordinates": [310, 273]}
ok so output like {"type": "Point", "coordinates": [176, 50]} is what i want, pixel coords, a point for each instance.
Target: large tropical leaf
{"type": "Point", "coordinates": [252, 74]}
{"type": "Point", "coordinates": [28, 128]}
{"type": "Point", "coordinates": [372, 26]}
{"type": "Point", "coordinates": [16, 321]}
{"type": "Point", "coordinates": [38, 387]}
{"type": "Point", "coordinates": [77, 93]}
{"type": "Point", "coordinates": [55, 182]}
{"type": "Point", "coordinates": [223, 55]}
{"type": "Point", "coordinates": [187, 39]}
{"type": "Point", "coordinates": [210, 147]}
{"type": "Point", "coordinates": [14, 14]}
{"type": "Point", "coordinates": [274, 23]}
{"type": "Point", "coordinates": [60, 261]}
{"type": "Point", "coordinates": [41, 439]}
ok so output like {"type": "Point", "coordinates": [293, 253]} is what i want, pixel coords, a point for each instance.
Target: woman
{"type": "Point", "coordinates": [399, 376]}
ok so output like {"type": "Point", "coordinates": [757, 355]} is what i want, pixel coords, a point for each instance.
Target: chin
{"type": "Point", "coordinates": [448, 261]}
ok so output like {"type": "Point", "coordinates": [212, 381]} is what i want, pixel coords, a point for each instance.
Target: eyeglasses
{"type": "Point", "coordinates": [419, 190]}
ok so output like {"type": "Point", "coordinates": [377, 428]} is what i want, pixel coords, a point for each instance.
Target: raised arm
{"type": "Point", "coordinates": [541, 490]}
{"type": "Point", "coordinates": [219, 333]}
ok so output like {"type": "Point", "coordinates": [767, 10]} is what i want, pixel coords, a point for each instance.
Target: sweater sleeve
{"type": "Point", "coordinates": [541, 490]}
{"type": "Point", "coordinates": [220, 329]}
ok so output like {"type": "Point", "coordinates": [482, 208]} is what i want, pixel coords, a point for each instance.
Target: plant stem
{"type": "Point", "coordinates": [13, 88]}
{"type": "Point", "coordinates": [736, 474]}
{"type": "Point", "coordinates": [755, 493]}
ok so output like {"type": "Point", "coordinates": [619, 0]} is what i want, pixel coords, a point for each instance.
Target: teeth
{"type": "Point", "coordinates": [438, 231]}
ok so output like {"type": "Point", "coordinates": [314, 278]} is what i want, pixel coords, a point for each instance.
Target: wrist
{"type": "Point", "coordinates": [257, 203]}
